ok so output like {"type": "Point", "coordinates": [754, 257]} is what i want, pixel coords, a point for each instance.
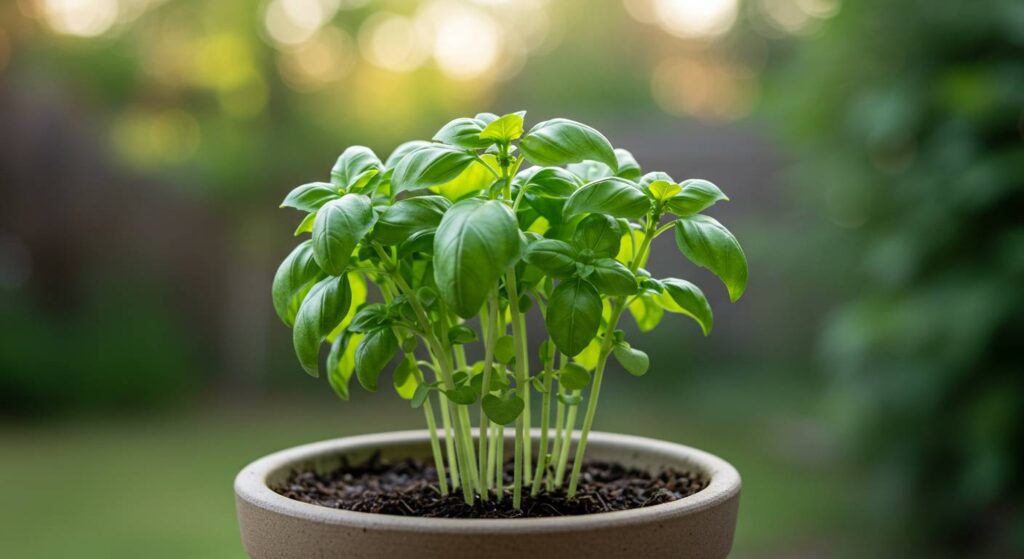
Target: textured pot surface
{"type": "Point", "coordinates": [275, 527]}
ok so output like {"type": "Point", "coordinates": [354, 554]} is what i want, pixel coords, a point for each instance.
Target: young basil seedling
{"type": "Point", "coordinates": [487, 222]}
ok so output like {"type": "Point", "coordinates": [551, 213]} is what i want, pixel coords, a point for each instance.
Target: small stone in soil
{"type": "Point", "coordinates": [409, 488]}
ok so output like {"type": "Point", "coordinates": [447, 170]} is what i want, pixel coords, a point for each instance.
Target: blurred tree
{"type": "Point", "coordinates": [910, 116]}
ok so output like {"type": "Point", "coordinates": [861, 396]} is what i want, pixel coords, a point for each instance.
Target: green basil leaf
{"type": "Point", "coordinates": [612, 196]}
{"type": "Point", "coordinates": [573, 316]}
{"type": "Point", "coordinates": [504, 129]}
{"type": "Point", "coordinates": [681, 296]}
{"type": "Point", "coordinates": [357, 289]}
{"type": "Point", "coordinates": [500, 410]}
{"type": "Point", "coordinates": [555, 258]}
{"type": "Point", "coordinates": [355, 167]}
{"type": "Point", "coordinates": [633, 360]}
{"type": "Point", "coordinates": [560, 141]}
{"type": "Point", "coordinates": [473, 179]}
{"type": "Point", "coordinates": [370, 317]}
{"type": "Point", "coordinates": [650, 283]}
{"type": "Point", "coordinates": [697, 195]}
{"type": "Point", "coordinates": [546, 351]}
{"type": "Point", "coordinates": [321, 311]}
{"type": "Point", "coordinates": [611, 277]}
{"type": "Point", "coordinates": [547, 189]}
{"type": "Point", "coordinates": [463, 132]}
{"type": "Point", "coordinates": [401, 151]}
{"type": "Point", "coordinates": [374, 352]}
{"type": "Point", "coordinates": [306, 226]}
{"type": "Point", "coordinates": [341, 362]}
{"type": "Point", "coordinates": [403, 378]}
{"type": "Point", "coordinates": [462, 395]}
{"type": "Point", "coordinates": [646, 180]}
{"type": "Point", "coordinates": [570, 399]}
{"type": "Point", "coordinates": [430, 165]}
{"type": "Point", "coordinates": [461, 334]}
{"type": "Point", "coordinates": [486, 118]}
{"type": "Point", "coordinates": [420, 396]}
{"type": "Point", "coordinates": [574, 376]}
{"type": "Point", "coordinates": [295, 273]}
{"type": "Point", "coordinates": [708, 244]}
{"type": "Point", "coordinates": [420, 241]}
{"type": "Point", "coordinates": [646, 311]}
{"type": "Point", "coordinates": [662, 190]}
{"type": "Point", "coordinates": [550, 181]}
{"type": "Point", "coordinates": [590, 171]}
{"type": "Point", "coordinates": [310, 197]}
{"type": "Point", "coordinates": [338, 228]}
{"type": "Point", "coordinates": [628, 167]}
{"type": "Point", "coordinates": [475, 243]}
{"type": "Point", "coordinates": [407, 217]}
{"type": "Point", "coordinates": [599, 234]}
{"type": "Point", "coordinates": [505, 349]}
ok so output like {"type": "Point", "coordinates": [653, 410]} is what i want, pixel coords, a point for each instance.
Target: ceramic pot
{"type": "Point", "coordinates": [700, 526]}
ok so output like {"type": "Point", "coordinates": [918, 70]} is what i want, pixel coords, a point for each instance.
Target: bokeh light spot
{"type": "Point", "coordinates": [393, 42]}
{"type": "Point", "coordinates": [707, 89]}
{"type": "Point", "coordinates": [83, 18]}
{"type": "Point", "coordinates": [466, 43]}
{"type": "Point", "coordinates": [696, 18]}
{"type": "Point", "coordinates": [326, 58]}
{"type": "Point", "coordinates": [290, 22]}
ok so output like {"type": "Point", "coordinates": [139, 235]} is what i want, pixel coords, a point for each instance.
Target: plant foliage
{"type": "Point", "coordinates": [491, 221]}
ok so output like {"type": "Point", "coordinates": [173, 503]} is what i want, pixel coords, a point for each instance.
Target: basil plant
{"type": "Point", "coordinates": [463, 236]}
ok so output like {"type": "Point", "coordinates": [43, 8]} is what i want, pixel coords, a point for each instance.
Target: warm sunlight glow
{"type": "Point", "coordinates": [797, 16]}
{"type": "Point", "coordinates": [326, 58]}
{"type": "Point", "coordinates": [696, 18]}
{"type": "Point", "coordinates": [393, 42]}
{"type": "Point", "coordinates": [466, 44]}
{"type": "Point", "coordinates": [706, 89]}
{"type": "Point", "coordinates": [84, 18]}
{"type": "Point", "coordinates": [291, 22]}
{"type": "Point", "coordinates": [641, 10]}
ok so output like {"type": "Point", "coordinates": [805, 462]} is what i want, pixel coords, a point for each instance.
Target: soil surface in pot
{"type": "Point", "coordinates": [409, 488]}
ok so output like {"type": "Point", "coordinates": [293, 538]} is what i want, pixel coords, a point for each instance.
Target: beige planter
{"type": "Point", "coordinates": [698, 526]}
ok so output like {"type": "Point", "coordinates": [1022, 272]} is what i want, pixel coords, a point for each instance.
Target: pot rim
{"type": "Point", "coordinates": [251, 486]}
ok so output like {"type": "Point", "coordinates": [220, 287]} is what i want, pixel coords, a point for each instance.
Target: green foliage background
{"type": "Point", "coordinates": [909, 119]}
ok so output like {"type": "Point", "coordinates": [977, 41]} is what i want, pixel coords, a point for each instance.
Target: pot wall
{"type": "Point", "coordinates": [275, 527]}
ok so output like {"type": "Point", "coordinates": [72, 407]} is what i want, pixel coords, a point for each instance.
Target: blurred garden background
{"type": "Point", "coordinates": [869, 386]}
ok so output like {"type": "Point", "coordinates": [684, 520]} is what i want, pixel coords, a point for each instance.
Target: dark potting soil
{"type": "Point", "coordinates": [409, 488]}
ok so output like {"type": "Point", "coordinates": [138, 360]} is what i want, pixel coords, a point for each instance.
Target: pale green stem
{"type": "Point", "coordinates": [435, 445]}
{"type": "Point", "coordinates": [487, 166]}
{"type": "Point", "coordinates": [563, 458]}
{"type": "Point", "coordinates": [527, 423]}
{"type": "Point", "coordinates": [462, 422]}
{"type": "Point", "coordinates": [490, 323]}
{"type": "Point", "coordinates": [428, 411]}
{"type": "Point", "coordinates": [523, 445]}
{"type": "Point", "coordinates": [499, 477]}
{"type": "Point", "coordinates": [559, 425]}
{"type": "Point", "coordinates": [588, 418]}
{"type": "Point", "coordinates": [442, 356]}
{"type": "Point", "coordinates": [522, 387]}
{"type": "Point", "coordinates": [449, 439]}
{"type": "Point", "coordinates": [489, 474]}
{"type": "Point", "coordinates": [545, 413]}
{"type": "Point", "coordinates": [664, 228]}
{"type": "Point", "coordinates": [606, 349]}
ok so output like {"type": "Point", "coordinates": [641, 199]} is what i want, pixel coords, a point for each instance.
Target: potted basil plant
{"type": "Point", "coordinates": [426, 265]}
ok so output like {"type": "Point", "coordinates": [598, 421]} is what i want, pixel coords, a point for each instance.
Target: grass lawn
{"type": "Point", "coordinates": [160, 486]}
